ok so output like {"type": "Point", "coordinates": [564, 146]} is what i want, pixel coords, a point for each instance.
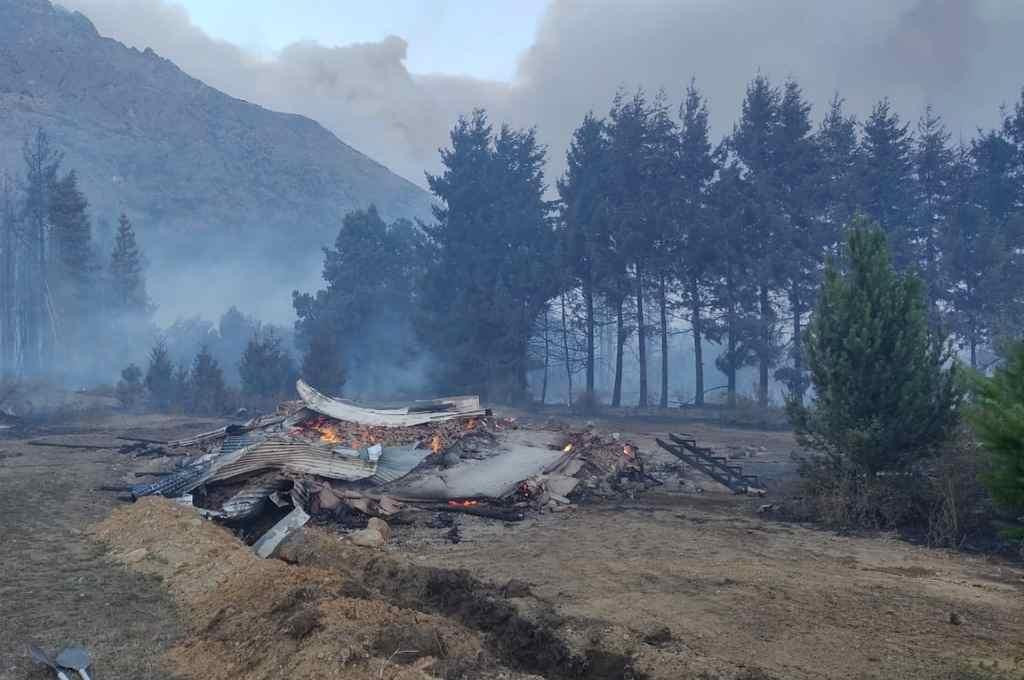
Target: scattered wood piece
{"type": "Point", "coordinates": [143, 441]}
{"type": "Point", "coordinates": [86, 447]}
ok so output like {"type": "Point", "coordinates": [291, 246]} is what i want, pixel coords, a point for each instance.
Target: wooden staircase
{"type": "Point", "coordinates": [684, 447]}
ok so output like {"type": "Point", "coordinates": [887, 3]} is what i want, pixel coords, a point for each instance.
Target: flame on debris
{"type": "Point", "coordinates": [463, 504]}
{"type": "Point", "coordinates": [471, 424]}
{"type": "Point", "coordinates": [435, 444]}
{"type": "Point", "coordinates": [629, 451]}
{"type": "Point", "coordinates": [568, 448]}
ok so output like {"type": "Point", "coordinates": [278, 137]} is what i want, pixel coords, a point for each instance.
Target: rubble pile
{"type": "Point", "coordinates": [323, 455]}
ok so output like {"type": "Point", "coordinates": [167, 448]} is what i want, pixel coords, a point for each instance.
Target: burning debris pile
{"type": "Point", "coordinates": [323, 455]}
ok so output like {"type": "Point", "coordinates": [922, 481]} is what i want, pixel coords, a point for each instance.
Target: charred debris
{"type": "Point", "coordinates": [359, 467]}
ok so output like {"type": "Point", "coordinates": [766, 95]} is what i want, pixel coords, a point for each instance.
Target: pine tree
{"type": "Point", "coordinates": [72, 266]}
{"type": "Point", "coordinates": [998, 418]}
{"type": "Point", "coordinates": [662, 179]}
{"type": "Point", "coordinates": [208, 391]}
{"type": "Point", "coordinates": [366, 311]}
{"type": "Point", "coordinates": [128, 285]}
{"type": "Point", "coordinates": [160, 377]}
{"type": "Point", "coordinates": [884, 396]}
{"type": "Point", "coordinates": [933, 164]}
{"type": "Point", "coordinates": [584, 228]}
{"type": "Point", "coordinates": [731, 291]}
{"type": "Point", "coordinates": [837, 199]}
{"type": "Point", "coordinates": [698, 252]}
{"type": "Point", "coordinates": [493, 263]}
{"type": "Point", "coordinates": [885, 179]}
{"type": "Point", "coordinates": [37, 323]}
{"type": "Point", "coordinates": [628, 133]}
{"type": "Point", "coordinates": [266, 370]}
{"type": "Point", "coordinates": [800, 230]}
{"type": "Point", "coordinates": [754, 142]}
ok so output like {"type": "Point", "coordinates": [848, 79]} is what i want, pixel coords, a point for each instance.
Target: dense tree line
{"type": "Point", "coordinates": [60, 299]}
{"type": "Point", "coordinates": [657, 231]}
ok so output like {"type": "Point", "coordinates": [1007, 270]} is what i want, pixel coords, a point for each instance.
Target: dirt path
{"type": "Point", "coordinates": [740, 593]}
{"type": "Point", "coordinates": [58, 587]}
{"type": "Point", "coordinates": [740, 596]}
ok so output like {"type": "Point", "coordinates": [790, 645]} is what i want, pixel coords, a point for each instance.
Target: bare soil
{"type": "Point", "coordinates": [684, 582]}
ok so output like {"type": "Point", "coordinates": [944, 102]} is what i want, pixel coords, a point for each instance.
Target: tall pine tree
{"type": "Point", "coordinates": [698, 250]}
{"type": "Point", "coordinates": [754, 142]}
{"type": "Point", "coordinates": [127, 282]}
{"type": "Point", "coordinates": [493, 266]}
{"type": "Point", "coordinates": [885, 179]}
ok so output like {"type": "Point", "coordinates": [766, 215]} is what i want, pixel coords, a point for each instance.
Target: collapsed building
{"type": "Point", "coordinates": [321, 454]}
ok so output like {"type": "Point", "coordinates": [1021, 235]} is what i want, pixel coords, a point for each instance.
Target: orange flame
{"type": "Point", "coordinates": [463, 504]}
{"type": "Point", "coordinates": [628, 451]}
{"type": "Point", "coordinates": [568, 448]}
{"type": "Point", "coordinates": [471, 424]}
{"type": "Point", "coordinates": [435, 444]}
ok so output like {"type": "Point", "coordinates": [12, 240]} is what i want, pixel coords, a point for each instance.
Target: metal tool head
{"type": "Point", "coordinates": [75, 658]}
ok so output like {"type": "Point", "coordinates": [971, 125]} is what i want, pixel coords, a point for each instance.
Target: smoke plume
{"type": "Point", "coordinates": [956, 55]}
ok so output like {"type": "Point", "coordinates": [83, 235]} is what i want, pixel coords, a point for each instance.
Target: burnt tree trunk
{"type": "Point", "coordinates": [641, 335]}
{"type": "Point", "coordinates": [763, 354]}
{"type": "Point", "coordinates": [697, 323]}
{"type": "Point", "coordinates": [620, 343]}
{"type": "Point", "coordinates": [547, 360]}
{"type": "Point", "coordinates": [731, 346]}
{"type": "Point", "coordinates": [588, 300]}
{"type": "Point", "coordinates": [565, 349]}
{"type": "Point", "coordinates": [798, 348]}
{"type": "Point", "coordinates": [663, 304]}
{"type": "Point", "coordinates": [8, 341]}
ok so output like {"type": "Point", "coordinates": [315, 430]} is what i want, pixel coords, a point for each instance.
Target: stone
{"type": "Point", "coordinates": [377, 524]}
{"type": "Point", "coordinates": [367, 538]}
{"type": "Point", "coordinates": [134, 556]}
{"type": "Point", "coordinates": [659, 635]}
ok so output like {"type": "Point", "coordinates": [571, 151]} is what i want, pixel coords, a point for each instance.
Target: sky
{"type": "Point", "coordinates": [441, 33]}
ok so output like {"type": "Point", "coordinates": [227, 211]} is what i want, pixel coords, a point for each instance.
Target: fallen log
{"type": "Point", "coordinates": [143, 441]}
{"type": "Point", "coordinates": [87, 447]}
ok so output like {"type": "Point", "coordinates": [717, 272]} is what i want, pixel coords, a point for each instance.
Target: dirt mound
{"type": "Point", "coordinates": [526, 643]}
{"type": "Point", "coordinates": [254, 619]}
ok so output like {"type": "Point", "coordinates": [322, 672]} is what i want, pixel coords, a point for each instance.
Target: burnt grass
{"type": "Point", "coordinates": [530, 645]}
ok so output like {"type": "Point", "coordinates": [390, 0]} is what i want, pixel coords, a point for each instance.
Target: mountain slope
{"type": "Point", "coordinates": [202, 174]}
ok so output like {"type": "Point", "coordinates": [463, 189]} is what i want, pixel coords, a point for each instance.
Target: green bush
{"type": "Point", "coordinates": [884, 394]}
{"type": "Point", "coordinates": [997, 416]}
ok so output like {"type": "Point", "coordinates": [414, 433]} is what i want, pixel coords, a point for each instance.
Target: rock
{"type": "Point", "coordinates": [955, 619]}
{"type": "Point", "coordinates": [135, 556]}
{"type": "Point", "coordinates": [516, 588]}
{"type": "Point", "coordinates": [367, 538]}
{"type": "Point", "coordinates": [658, 636]}
{"type": "Point", "coordinates": [380, 525]}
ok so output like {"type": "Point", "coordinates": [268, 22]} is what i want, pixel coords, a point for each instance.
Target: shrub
{"type": "Point", "coordinates": [208, 393]}
{"type": "Point", "coordinates": [160, 376]}
{"type": "Point", "coordinates": [998, 417]}
{"type": "Point", "coordinates": [129, 388]}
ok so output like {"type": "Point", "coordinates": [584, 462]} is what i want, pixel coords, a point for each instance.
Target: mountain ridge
{"type": "Point", "coordinates": [184, 161]}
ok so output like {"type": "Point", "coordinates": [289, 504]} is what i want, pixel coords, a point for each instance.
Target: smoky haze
{"type": "Point", "coordinates": [956, 55]}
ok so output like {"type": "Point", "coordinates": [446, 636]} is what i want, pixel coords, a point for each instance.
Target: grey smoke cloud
{"type": "Point", "coordinates": [958, 55]}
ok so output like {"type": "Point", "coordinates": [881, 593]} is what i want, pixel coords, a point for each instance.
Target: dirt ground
{"type": "Point", "coordinates": [683, 582]}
